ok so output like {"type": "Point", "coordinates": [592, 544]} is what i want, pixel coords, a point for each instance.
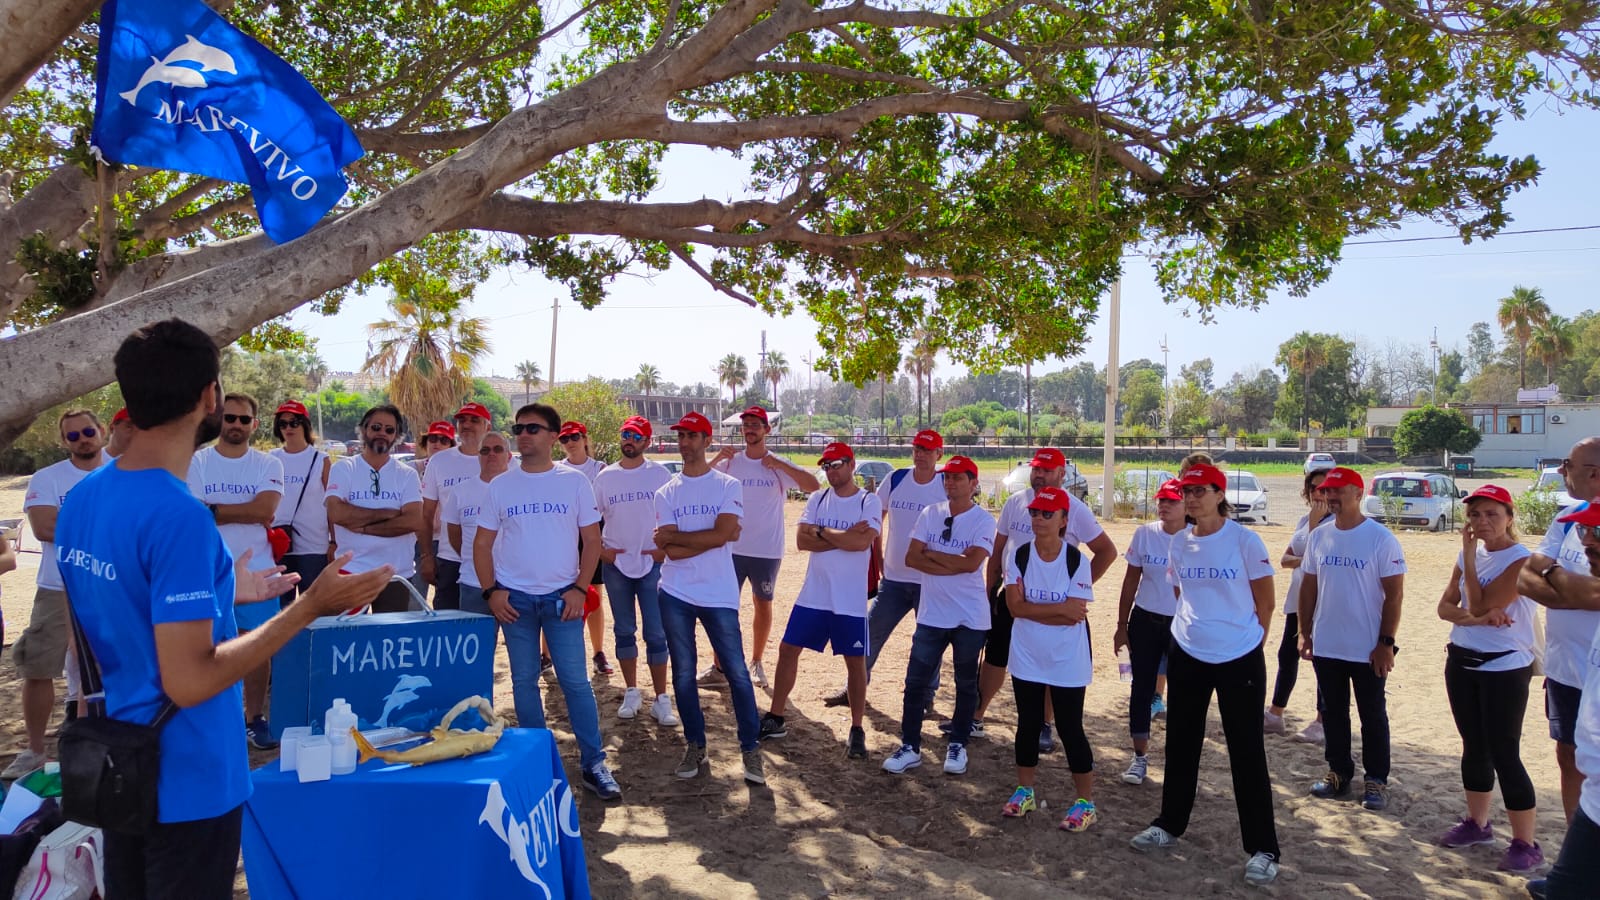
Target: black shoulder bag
{"type": "Point", "coordinates": [287, 528]}
{"type": "Point", "coordinates": [110, 769]}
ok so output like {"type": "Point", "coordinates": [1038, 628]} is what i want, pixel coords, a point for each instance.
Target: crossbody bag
{"type": "Point", "coordinates": [282, 536]}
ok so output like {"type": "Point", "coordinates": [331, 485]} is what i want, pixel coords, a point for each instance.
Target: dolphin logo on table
{"type": "Point", "coordinates": [405, 691]}
{"type": "Point", "coordinates": [539, 833]}
{"type": "Point", "coordinates": [162, 71]}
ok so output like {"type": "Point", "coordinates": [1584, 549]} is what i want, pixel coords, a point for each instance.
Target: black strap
{"type": "Point", "coordinates": [89, 674]}
{"type": "Point", "coordinates": [315, 454]}
{"type": "Point", "coordinates": [1074, 557]}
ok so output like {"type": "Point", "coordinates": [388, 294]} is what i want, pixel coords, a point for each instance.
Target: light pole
{"type": "Point", "coordinates": [1434, 346]}
{"type": "Point", "coordinates": [1166, 382]}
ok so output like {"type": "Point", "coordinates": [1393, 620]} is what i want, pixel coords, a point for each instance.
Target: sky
{"type": "Point", "coordinates": [1400, 291]}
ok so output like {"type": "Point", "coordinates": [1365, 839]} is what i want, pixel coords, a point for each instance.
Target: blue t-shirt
{"type": "Point", "coordinates": [136, 549]}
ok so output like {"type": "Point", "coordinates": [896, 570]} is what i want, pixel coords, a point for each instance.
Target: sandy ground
{"type": "Point", "coordinates": [828, 826]}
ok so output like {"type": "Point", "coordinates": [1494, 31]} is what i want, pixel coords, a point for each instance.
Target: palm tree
{"type": "Point", "coordinates": [1552, 342]}
{"type": "Point", "coordinates": [316, 373]}
{"type": "Point", "coordinates": [648, 378]}
{"type": "Point", "coordinates": [1304, 353]}
{"type": "Point", "coordinates": [528, 371]}
{"type": "Point", "coordinates": [426, 351]}
{"type": "Point", "coordinates": [777, 369]}
{"type": "Point", "coordinates": [1519, 314]}
{"type": "Point", "coordinates": [735, 373]}
{"type": "Point", "coordinates": [923, 360]}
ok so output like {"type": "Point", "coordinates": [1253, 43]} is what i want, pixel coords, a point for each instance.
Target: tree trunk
{"type": "Point", "coordinates": [58, 206]}
{"type": "Point", "coordinates": [31, 31]}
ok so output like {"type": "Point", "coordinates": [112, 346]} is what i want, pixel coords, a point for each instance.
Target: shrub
{"type": "Point", "coordinates": [1536, 510]}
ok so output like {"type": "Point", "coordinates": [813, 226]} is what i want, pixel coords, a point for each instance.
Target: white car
{"type": "Point", "coordinates": [1247, 496]}
{"type": "Point", "coordinates": [1019, 480]}
{"type": "Point", "coordinates": [1425, 499]}
{"type": "Point", "coordinates": [1319, 462]}
{"type": "Point", "coordinates": [1141, 486]}
{"type": "Point", "coordinates": [1551, 479]}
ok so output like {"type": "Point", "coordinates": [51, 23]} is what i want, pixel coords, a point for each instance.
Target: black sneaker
{"type": "Point", "coordinates": [1375, 795]}
{"type": "Point", "coordinates": [600, 780]}
{"type": "Point", "coordinates": [772, 728]}
{"type": "Point", "coordinates": [858, 744]}
{"type": "Point", "coordinates": [602, 666]}
{"type": "Point", "coordinates": [260, 734]}
{"type": "Point", "coordinates": [1333, 786]}
{"type": "Point", "coordinates": [949, 725]}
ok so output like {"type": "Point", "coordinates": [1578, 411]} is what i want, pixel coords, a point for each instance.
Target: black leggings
{"type": "Point", "coordinates": [1488, 709]}
{"type": "Point", "coordinates": [1289, 663]}
{"type": "Point", "coordinates": [1068, 702]}
{"type": "Point", "coordinates": [1149, 635]}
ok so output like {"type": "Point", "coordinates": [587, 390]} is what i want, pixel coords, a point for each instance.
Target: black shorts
{"type": "Point", "coordinates": [997, 648]}
{"type": "Point", "coordinates": [1561, 708]}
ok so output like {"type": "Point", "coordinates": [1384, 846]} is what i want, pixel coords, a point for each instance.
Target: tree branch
{"type": "Point", "coordinates": [718, 284]}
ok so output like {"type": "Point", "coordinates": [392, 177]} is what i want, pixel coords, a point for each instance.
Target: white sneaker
{"type": "Point", "coordinates": [631, 701]}
{"type": "Point", "coordinates": [901, 760]}
{"type": "Point", "coordinates": [1311, 734]}
{"type": "Point", "coordinates": [25, 762]}
{"type": "Point", "coordinates": [1261, 869]}
{"type": "Point", "coordinates": [758, 675]}
{"type": "Point", "coordinates": [710, 675]}
{"type": "Point", "coordinates": [661, 709]}
{"type": "Point", "coordinates": [1153, 838]}
{"type": "Point", "coordinates": [955, 760]}
{"type": "Point", "coordinates": [1137, 770]}
{"type": "Point", "coordinates": [1271, 724]}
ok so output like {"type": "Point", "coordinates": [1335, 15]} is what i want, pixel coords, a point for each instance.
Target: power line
{"type": "Point", "coordinates": [1457, 237]}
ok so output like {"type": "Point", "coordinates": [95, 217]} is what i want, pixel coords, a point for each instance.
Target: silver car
{"type": "Point", "coordinates": [1319, 462]}
{"type": "Point", "coordinates": [1425, 499]}
{"type": "Point", "coordinates": [1137, 487]}
{"type": "Point", "coordinates": [1019, 479]}
{"type": "Point", "coordinates": [1551, 479]}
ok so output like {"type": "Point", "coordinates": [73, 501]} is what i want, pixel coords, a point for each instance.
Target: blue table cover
{"type": "Point", "coordinates": [501, 824]}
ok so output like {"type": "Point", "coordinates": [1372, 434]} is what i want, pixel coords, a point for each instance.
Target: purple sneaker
{"type": "Point", "coordinates": [1468, 833]}
{"type": "Point", "coordinates": [1521, 856]}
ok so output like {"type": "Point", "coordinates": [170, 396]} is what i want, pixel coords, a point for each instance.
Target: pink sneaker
{"type": "Point", "coordinates": [1468, 833]}
{"type": "Point", "coordinates": [1521, 856]}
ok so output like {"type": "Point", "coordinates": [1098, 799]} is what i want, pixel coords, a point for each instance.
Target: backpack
{"type": "Point", "coordinates": [1025, 552]}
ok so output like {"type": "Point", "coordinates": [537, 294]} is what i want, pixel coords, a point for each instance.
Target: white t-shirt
{"type": "Point", "coordinates": [351, 480]}
{"type": "Point", "coordinates": [49, 487]}
{"type": "Point", "coordinates": [446, 469]}
{"type": "Point", "coordinates": [1149, 549]}
{"type": "Point", "coordinates": [1516, 637]}
{"type": "Point", "coordinates": [627, 502]}
{"type": "Point", "coordinates": [1050, 654]}
{"type": "Point", "coordinates": [1215, 621]}
{"type": "Point", "coordinates": [693, 504]}
{"type": "Point", "coordinates": [1297, 546]}
{"type": "Point", "coordinates": [217, 480]}
{"type": "Point", "coordinates": [537, 515]}
{"type": "Point", "coordinates": [836, 580]}
{"type": "Point", "coordinates": [1348, 565]}
{"type": "Point", "coordinates": [1587, 731]}
{"type": "Point", "coordinates": [310, 518]}
{"type": "Point", "coordinates": [903, 505]}
{"type": "Point", "coordinates": [591, 467]}
{"type": "Point", "coordinates": [952, 601]}
{"type": "Point", "coordinates": [764, 491]}
{"type": "Point", "coordinates": [1016, 525]}
{"type": "Point", "coordinates": [1568, 633]}
{"type": "Point", "coordinates": [461, 507]}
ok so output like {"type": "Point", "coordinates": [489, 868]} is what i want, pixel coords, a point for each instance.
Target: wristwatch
{"type": "Point", "coordinates": [572, 587]}
{"type": "Point", "coordinates": [1548, 569]}
{"type": "Point", "coordinates": [1386, 640]}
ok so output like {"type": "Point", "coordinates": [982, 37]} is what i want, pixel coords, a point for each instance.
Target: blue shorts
{"type": "Point", "coordinates": [250, 616]}
{"type": "Point", "coordinates": [814, 629]}
{"type": "Point", "coordinates": [1561, 708]}
{"type": "Point", "coordinates": [761, 573]}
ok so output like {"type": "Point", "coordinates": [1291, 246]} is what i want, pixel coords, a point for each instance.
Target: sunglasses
{"type": "Point", "coordinates": [569, 438]}
{"type": "Point", "coordinates": [375, 487]}
{"type": "Point", "coordinates": [949, 523]}
{"type": "Point", "coordinates": [835, 464]}
{"type": "Point", "coordinates": [1042, 513]}
{"type": "Point", "coordinates": [230, 418]}
{"type": "Point", "coordinates": [529, 428]}
{"type": "Point", "coordinates": [460, 419]}
{"type": "Point", "coordinates": [436, 437]}
{"type": "Point", "coordinates": [1197, 490]}
{"type": "Point", "coordinates": [492, 448]}
{"type": "Point", "coordinates": [632, 436]}
{"type": "Point", "coordinates": [1587, 532]}
{"type": "Point", "coordinates": [381, 429]}
{"type": "Point", "coordinates": [87, 432]}
{"type": "Point", "coordinates": [295, 422]}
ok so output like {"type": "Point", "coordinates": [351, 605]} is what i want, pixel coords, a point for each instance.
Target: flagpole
{"type": "Point", "coordinates": [555, 307]}
{"type": "Point", "coordinates": [1109, 452]}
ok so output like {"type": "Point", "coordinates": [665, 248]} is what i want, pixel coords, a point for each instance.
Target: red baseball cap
{"type": "Point", "coordinates": [1491, 492]}
{"type": "Point", "coordinates": [836, 450]}
{"type": "Point", "coordinates": [288, 406]}
{"type": "Point", "coordinates": [1051, 499]}
{"type": "Point", "coordinates": [759, 412]}
{"type": "Point", "coordinates": [1048, 458]}
{"type": "Point", "coordinates": [441, 429]}
{"type": "Point", "coordinates": [573, 428]}
{"type": "Point", "coordinates": [122, 415]}
{"type": "Point", "coordinates": [639, 424]}
{"type": "Point", "coordinates": [1206, 475]}
{"type": "Point", "coordinates": [1342, 477]}
{"type": "Point", "coordinates": [1587, 514]}
{"type": "Point", "coordinates": [1171, 489]}
{"type": "Point", "coordinates": [474, 409]}
{"type": "Point", "coordinates": [928, 439]}
{"type": "Point", "coordinates": [693, 421]}
{"type": "Point", "coordinates": [960, 464]}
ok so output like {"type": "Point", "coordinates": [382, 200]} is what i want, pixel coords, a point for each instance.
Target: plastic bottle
{"type": "Point", "coordinates": [1124, 665]}
{"type": "Point", "coordinates": [336, 724]}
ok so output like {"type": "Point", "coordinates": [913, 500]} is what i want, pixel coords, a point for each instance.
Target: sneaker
{"type": "Point", "coordinates": [955, 760]}
{"type": "Point", "coordinates": [1467, 833]}
{"type": "Point", "coordinates": [1333, 786]}
{"type": "Point", "coordinates": [1521, 856]}
{"type": "Point", "coordinates": [1047, 738]}
{"type": "Point", "coordinates": [858, 744]}
{"type": "Point", "coordinates": [1538, 888]}
{"type": "Point", "coordinates": [1153, 838]}
{"type": "Point", "coordinates": [1311, 734]}
{"type": "Point", "coordinates": [1271, 724]}
{"type": "Point", "coordinates": [547, 666]}
{"type": "Point", "coordinates": [25, 762]}
{"type": "Point", "coordinates": [758, 675]}
{"type": "Point", "coordinates": [631, 701]}
{"type": "Point", "coordinates": [1261, 869]}
{"type": "Point", "coordinates": [600, 781]}
{"type": "Point", "coordinates": [602, 666]}
{"type": "Point", "coordinates": [260, 734]}
{"type": "Point", "coordinates": [840, 699]}
{"type": "Point", "coordinates": [1021, 803]}
{"type": "Point", "coordinates": [711, 674]}
{"type": "Point", "coordinates": [1137, 770]}
{"type": "Point", "coordinates": [1375, 795]}
{"type": "Point", "coordinates": [694, 756]}
{"type": "Point", "coordinates": [1158, 707]}
{"type": "Point", "coordinates": [907, 757]}
{"type": "Point", "coordinates": [772, 728]}
{"type": "Point", "coordinates": [1080, 816]}
{"type": "Point", "coordinates": [661, 710]}
{"type": "Point", "coordinates": [752, 767]}
{"type": "Point", "coordinates": [949, 725]}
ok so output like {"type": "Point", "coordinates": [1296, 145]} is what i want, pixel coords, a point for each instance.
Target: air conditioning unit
{"type": "Point", "coordinates": [1557, 418]}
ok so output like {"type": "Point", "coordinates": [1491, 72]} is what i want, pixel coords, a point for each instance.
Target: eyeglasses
{"type": "Point", "coordinates": [295, 422]}
{"type": "Point", "coordinates": [230, 418]}
{"type": "Point", "coordinates": [491, 448]}
{"type": "Point", "coordinates": [1042, 513]}
{"type": "Point", "coordinates": [1587, 532]}
{"type": "Point", "coordinates": [949, 523]}
{"type": "Point", "coordinates": [529, 428]}
{"type": "Point", "coordinates": [832, 464]}
{"type": "Point", "coordinates": [87, 432]}
{"type": "Point", "coordinates": [1197, 490]}
{"type": "Point", "coordinates": [461, 419]}
{"type": "Point", "coordinates": [1568, 465]}
{"type": "Point", "coordinates": [569, 438]}
{"type": "Point", "coordinates": [375, 486]}
{"type": "Point", "coordinates": [632, 436]}
{"type": "Point", "coordinates": [381, 429]}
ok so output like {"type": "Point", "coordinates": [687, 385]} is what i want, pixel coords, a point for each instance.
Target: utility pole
{"type": "Point", "coordinates": [1434, 346]}
{"type": "Point", "coordinates": [555, 307]}
{"type": "Point", "coordinates": [1108, 497]}
{"type": "Point", "coordinates": [761, 370]}
{"type": "Point", "coordinates": [1166, 382]}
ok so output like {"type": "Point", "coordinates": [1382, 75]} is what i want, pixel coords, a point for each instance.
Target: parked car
{"type": "Point", "coordinates": [1074, 483]}
{"type": "Point", "coordinates": [1551, 479]}
{"type": "Point", "coordinates": [1138, 487]}
{"type": "Point", "coordinates": [1424, 499]}
{"type": "Point", "coordinates": [875, 469]}
{"type": "Point", "coordinates": [1247, 496]}
{"type": "Point", "coordinates": [673, 466]}
{"type": "Point", "coordinates": [1319, 462]}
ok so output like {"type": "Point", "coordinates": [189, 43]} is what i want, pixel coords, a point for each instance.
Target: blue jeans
{"type": "Point", "coordinates": [722, 630]}
{"type": "Point", "coordinates": [895, 599]}
{"type": "Point", "coordinates": [1578, 867]}
{"type": "Point", "coordinates": [927, 648]}
{"type": "Point", "coordinates": [622, 591]}
{"type": "Point", "coordinates": [308, 566]}
{"type": "Point", "coordinates": [542, 612]}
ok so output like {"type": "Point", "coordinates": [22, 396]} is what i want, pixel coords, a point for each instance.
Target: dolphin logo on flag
{"type": "Point", "coordinates": [191, 50]}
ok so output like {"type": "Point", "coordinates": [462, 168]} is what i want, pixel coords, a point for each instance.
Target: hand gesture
{"type": "Point", "coordinates": [1498, 618]}
{"type": "Point", "coordinates": [1318, 510]}
{"type": "Point", "coordinates": [771, 461]}
{"type": "Point", "coordinates": [267, 584]}
{"type": "Point", "coordinates": [335, 592]}
{"type": "Point", "coordinates": [1469, 540]}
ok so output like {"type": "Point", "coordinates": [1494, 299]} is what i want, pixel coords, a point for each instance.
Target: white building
{"type": "Point", "coordinates": [1515, 435]}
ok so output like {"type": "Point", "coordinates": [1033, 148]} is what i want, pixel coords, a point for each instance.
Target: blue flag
{"type": "Point", "coordinates": [179, 88]}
